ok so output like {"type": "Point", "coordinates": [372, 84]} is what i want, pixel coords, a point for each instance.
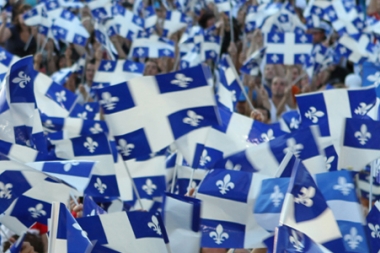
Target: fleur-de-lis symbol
{"type": "Point", "coordinates": [155, 225]}
{"type": "Point", "coordinates": [3, 56]}
{"type": "Point", "coordinates": [124, 147]}
{"type": "Point", "coordinates": [100, 186]}
{"type": "Point", "coordinates": [225, 185]}
{"type": "Point", "coordinates": [231, 166]}
{"type": "Point", "coordinates": [268, 136]}
{"type": "Point", "coordinates": [78, 227]}
{"type": "Point", "coordinates": [314, 115]}
{"type": "Point", "coordinates": [108, 101]}
{"type": "Point", "coordinates": [294, 123]}
{"type": "Point", "coordinates": [5, 190]}
{"type": "Point", "coordinates": [343, 186]}
{"type": "Point", "coordinates": [48, 123]}
{"type": "Point", "coordinates": [68, 165]}
{"type": "Point", "coordinates": [82, 115]}
{"type": "Point", "coordinates": [293, 147]}
{"type": "Point", "coordinates": [219, 235]}
{"type": "Point", "coordinates": [363, 135]}
{"type": "Point", "coordinates": [375, 230]}
{"type": "Point", "coordinates": [305, 198]}
{"type": "Point", "coordinates": [88, 108]}
{"type": "Point", "coordinates": [328, 162]}
{"type": "Point", "coordinates": [204, 158]}
{"type": "Point", "coordinates": [90, 144]}
{"type": "Point", "coordinates": [375, 78]}
{"type": "Point", "coordinates": [192, 118]}
{"type": "Point", "coordinates": [60, 96]}
{"type": "Point", "coordinates": [276, 196]}
{"type": "Point", "coordinates": [181, 80]}
{"type": "Point", "coordinates": [362, 109]}
{"type": "Point", "coordinates": [296, 242]}
{"type": "Point", "coordinates": [22, 80]}
{"type": "Point", "coordinates": [96, 129]}
{"type": "Point", "coordinates": [149, 187]}
{"type": "Point", "coordinates": [353, 239]}
{"type": "Point", "coordinates": [37, 211]}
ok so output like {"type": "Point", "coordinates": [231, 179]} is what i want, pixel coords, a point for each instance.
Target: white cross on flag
{"type": "Point", "coordinates": [288, 48]}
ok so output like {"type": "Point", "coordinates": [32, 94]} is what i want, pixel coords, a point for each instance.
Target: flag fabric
{"type": "Point", "coordinates": [87, 111]}
{"type": "Point", "coordinates": [319, 107]}
{"type": "Point", "coordinates": [251, 66]}
{"type": "Point", "coordinates": [365, 186]}
{"type": "Point", "coordinates": [356, 48]}
{"type": "Point", "coordinates": [68, 28]}
{"type": "Point", "coordinates": [90, 208]}
{"type": "Point", "coordinates": [338, 189]}
{"type": "Point", "coordinates": [103, 38]}
{"type": "Point", "coordinates": [66, 235]}
{"type": "Point", "coordinates": [174, 21]}
{"type": "Point", "coordinates": [234, 192]}
{"type": "Point", "coordinates": [6, 60]}
{"type": "Point", "coordinates": [75, 173]}
{"type": "Point", "coordinates": [121, 71]}
{"type": "Point", "coordinates": [228, 89]}
{"type": "Point", "coordinates": [128, 23]}
{"type": "Point", "coordinates": [291, 119]}
{"type": "Point", "coordinates": [371, 75]}
{"type": "Point", "coordinates": [126, 232]}
{"type": "Point", "coordinates": [373, 227]}
{"type": "Point", "coordinates": [305, 209]}
{"type": "Point", "coordinates": [268, 205]}
{"type": "Point", "coordinates": [181, 217]}
{"type": "Point", "coordinates": [359, 139]}
{"type": "Point", "coordinates": [61, 76]}
{"type": "Point", "coordinates": [188, 178]}
{"type": "Point", "coordinates": [236, 134]}
{"type": "Point", "coordinates": [256, 15]}
{"type": "Point", "coordinates": [267, 156]}
{"type": "Point", "coordinates": [287, 48]}
{"type": "Point", "coordinates": [151, 46]}
{"type": "Point", "coordinates": [288, 239]}
{"type": "Point", "coordinates": [331, 158]}
{"type": "Point", "coordinates": [179, 102]}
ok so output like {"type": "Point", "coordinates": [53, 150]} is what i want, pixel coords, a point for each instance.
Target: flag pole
{"type": "Point", "coordinates": [133, 185]}
{"type": "Point", "coordinates": [371, 185]}
{"type": "Point", "coordinates": [231, 24]}
{"type": "Point", "coordinates": [191, 180]}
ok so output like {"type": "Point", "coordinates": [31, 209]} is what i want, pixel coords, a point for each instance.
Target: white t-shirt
{"type": "Point", "coordinates": [273, 111]}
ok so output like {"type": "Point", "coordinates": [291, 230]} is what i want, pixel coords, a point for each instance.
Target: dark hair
{"type": "Point", "coordinates": [18, 9]}
{"type": "Point", "coordinates": [92, 61]}
{"type": "Point", "coordinates": [33, 239]}
{"type": "Point", "coordinates": [155, 62]}
{"type": "Point", "coordinates": [264, 109]}
{"type": "Point", "coordinates": [204, 18]}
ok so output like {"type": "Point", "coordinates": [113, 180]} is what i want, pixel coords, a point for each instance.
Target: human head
{"type": "Point", "coordinates": [269, 73]}
{"type": "Point", "coordinates": [265, 112]}
{"type": "Point", "coordinates": [278, 87]}
{"type": "Point", "coordinates": [151, 68]}
{"type": "Point", "coordinates": [318, 35]}
{"type": "Point", "coordinates": [18, 12]}
{"type": "Point", "coordinates": [207, 20]}
{"type": "Point", "coordinates": [90, 72]}
{"type": "Point", "coordinates": [35, 240]}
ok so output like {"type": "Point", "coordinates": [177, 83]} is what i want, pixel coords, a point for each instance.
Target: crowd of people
{"type": "Point", "coordinates": [272, 92]}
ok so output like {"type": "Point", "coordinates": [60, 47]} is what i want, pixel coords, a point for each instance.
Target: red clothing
{"type": "Point", "coordinates": [375, 15]}
{"type": "Point", "coordinates": [40, 227]}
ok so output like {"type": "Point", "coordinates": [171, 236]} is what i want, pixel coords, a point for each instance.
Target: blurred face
{"type": "Point", "coordinates": [269, 72]}
{"type": "Point", "coordinates": [278, 87]}
{"type": "Point", "coordinates": [295, 73]}
{"type": "Point", "coordinates": [151, 69]}
{"type": "Point", "coordinates": [90, 72]}
{"type": "Point", "coordinates": [318, 36]}
{"type": "Point", "coordinates": [62, 62]}
{"type": "Point", "coordinates": [265, 120]}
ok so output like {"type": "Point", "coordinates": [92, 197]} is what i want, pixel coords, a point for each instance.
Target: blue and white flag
{"type": "Point", "coordinates": [174, 21]}
{"type": "Point", "coordinates": [267, 156]}
{"type": "Point", "coordinates": [150, 19]}
{"type": "Point", "coordinates": [306, 210]}
{"type": "Point", "coordinates": [371, 76]}
{"type": "Point", "coordinates": [68, 28]}
{"type": "Point", "coordinates": [87, 111]}
{"type": "Point", "coordinates": [90, 208]}
{"type": "Point", "coordinates": [103, 38]}
{"type": "Point", "coordinates": [152, 47]}
{"type": "Point", "coordinates": [319, 108]}
{"type": "Point", "coordinates": [236, 134]}
{"type": "Point", "coordinates": [287, 48]}
{"type": "Point", "coordinates": [121, 71]}
{"type": "Point", "coordinates": [365, 186]}
{"type": "Point", "coordinates": [234, 192]}
{"type": "Point", "coordinates": [188, 178]}
{"type": "Point", "coordinates": [126, 232]}
{"type": "Point", "coordinates": [256, 15]}
{"type": "Point", "coordinates": [6, 60]}
{"type": "Point", "coordinates": [252, 65]}
{"type": "Point", "coordinates": [228, 89]}
{"type": "Point", "coordinates": [288, 239]}
{"type": "Point", "coordinates": [174, 114]}
{"type": "Point", "coordinates": [182, 219]}
{"type": "Point", "coordinates": [75, 173]}
{"type": "Point", "coordinates": [291, 119]}
{"type": "Point", "coordinates": [62, 75]}
{"type": "Point", "coordinates": [360, 144]}
{"type": "Point", "coordinates": [356, 48]}
{"type": "Point", "coordinates": [192, 58]}
{"type": "Point", "coordinates": [331, 158]}
{"type": "Point", "coordinates": [66, 235]}
{"type": "Point", "coordinates": [338, 189]}
{"type": "Point", "coordinates": [128, 24]}
{"type": "Point", "coordinates": [373, 227]}
{"type": "Point", "coordinates": [268, 205]}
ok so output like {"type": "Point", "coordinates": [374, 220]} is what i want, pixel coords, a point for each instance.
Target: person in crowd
{"type": "Point", "coordinates": [19, 39]}
{"type": "Point", "coordinates": [84, 90]}
{"type": "Point", "coordinates": [33, 243]}
{"type": "Point", "coordinates": [151, 68]}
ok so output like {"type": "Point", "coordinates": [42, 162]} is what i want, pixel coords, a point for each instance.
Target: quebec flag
{"type": "Point", "coordinates": [373, 227]}
{"type": "Point", "coordinates": [234, 192]}
{"type": "Point", "coordinates": [306, 210]}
